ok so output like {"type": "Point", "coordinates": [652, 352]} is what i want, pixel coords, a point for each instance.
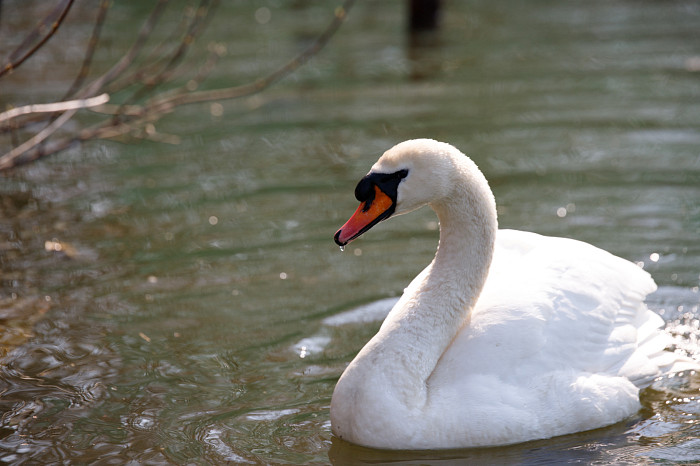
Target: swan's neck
{"type": "Point", "coordinates": [437, 304]}
{"type": "Point", "coordinates": [397, 363]}
{"type": "Point", "coordinates": [386, 388]}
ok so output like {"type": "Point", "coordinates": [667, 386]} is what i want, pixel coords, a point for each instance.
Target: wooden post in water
{"type": "Point", "coordinates": [423, 15]}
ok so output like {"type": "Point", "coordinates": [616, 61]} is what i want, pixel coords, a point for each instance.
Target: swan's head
{"type": "Point", "coordinates": [406, 177]}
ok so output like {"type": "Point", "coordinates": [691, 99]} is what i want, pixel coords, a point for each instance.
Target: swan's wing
{"type": "Point", "coordinates": [559, 342]}
{"type": "Point", "coordinates": [556, 304]}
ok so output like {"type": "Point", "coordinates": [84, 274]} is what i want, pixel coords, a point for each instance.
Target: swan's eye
{"type": "Point", "coordinates": [387, 182]}
{"type": "Point", "coordinates": [396, 176]}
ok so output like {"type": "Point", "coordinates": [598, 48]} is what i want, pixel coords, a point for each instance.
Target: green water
{"type": "Point", "coordinates": [201, 273]}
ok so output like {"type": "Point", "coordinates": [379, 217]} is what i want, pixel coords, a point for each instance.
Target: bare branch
{"type": "Point", "coordinates": [150, 62]}
{"type": "Point", "coordinates": [9, 160]}
{"type": "Point", "coordinates": [133, 52]}
{"type": "Point", "coordinates": [54, 107]}
{"type": "Point", "coordinates": [14, 157]}
{"type": "Point", "coordinates": [130, 119]}
{"type": "Point", "coordinates": [96, 85]}
{"type": "Point", "coordinates": [194, 29]}
{"type": "Point", "coordinates": [165, 104]}
{"type": "Point", "coordinates": [90, 51]}
{"type": "Point", "coordinates": [61, 11]}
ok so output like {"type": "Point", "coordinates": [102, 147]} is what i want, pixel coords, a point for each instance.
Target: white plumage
{"type": "Point", "coordinates": [507, 336]}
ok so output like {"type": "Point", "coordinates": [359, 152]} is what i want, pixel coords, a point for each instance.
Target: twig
{"type": "Point", "coordinates": [90, 51]}
{"type": "Point", "coordinates": [14, 63]}
{"type": "Point", "coordinates": [166, 104]}
{"type": "Point", "coordinates": [130, 119]}
{"type": "Point", "coordinates": [150, 62]}
{"type": "Point", "coordinates": [96, 85]}
{"type": "Point", "coordinates": [194, 29]}
{"type": "Point", "coordinates": [216, 51]}
{"type": "Point", "coordinates": [13, 158]}
{"type": "Point", "coordinates": [9, 160]}
{"type": "Point", "coordinates": [54, 107]}
{"type": "Point", "coordinates": [129, 57]}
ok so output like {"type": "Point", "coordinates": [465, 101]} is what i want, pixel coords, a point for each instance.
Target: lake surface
{"type": "Point", "coordinates": [186, 304]}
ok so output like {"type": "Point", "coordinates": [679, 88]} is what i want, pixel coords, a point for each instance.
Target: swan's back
{"type": "Point", "coordinates": [506, 336]}
{"type": "Point", "coordinates": [560, 341]}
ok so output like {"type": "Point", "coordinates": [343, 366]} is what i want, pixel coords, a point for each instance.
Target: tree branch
{"type": "Point", "coordinates": [61, 11]}
{"type": "Point", "coordinates": [167, 103]}
{"type": "Point", "coordinates": [137, 120]}
{"type": "Point", "coordinates": [10, 159]}
{"type": "Point", "coordinates": [54, 107]}
{"type": "Point", "coordinates": [90, 51]}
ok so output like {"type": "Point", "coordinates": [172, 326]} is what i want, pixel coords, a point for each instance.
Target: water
{"type": "Point", "coordinates": [187, 304]}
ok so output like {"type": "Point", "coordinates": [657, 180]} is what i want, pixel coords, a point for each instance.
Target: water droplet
{"type": "Point", "coordinates": [342, 249]}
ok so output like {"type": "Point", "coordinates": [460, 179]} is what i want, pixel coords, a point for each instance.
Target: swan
{"type": "Point", "coordinates": [506, 336]}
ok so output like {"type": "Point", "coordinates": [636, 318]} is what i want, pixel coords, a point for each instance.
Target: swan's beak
{"type": "Point", "coordinates": [368, 214]}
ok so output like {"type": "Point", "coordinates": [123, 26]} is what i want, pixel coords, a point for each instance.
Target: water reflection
{"type": "Point", "coordinates": [172, 332]}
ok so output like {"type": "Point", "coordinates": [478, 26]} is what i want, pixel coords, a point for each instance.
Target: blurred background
{"type": "Point", "coordinates": [170, 292]}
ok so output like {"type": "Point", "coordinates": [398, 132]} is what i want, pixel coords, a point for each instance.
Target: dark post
{"type": "Point", "coordinates": [423, 15]}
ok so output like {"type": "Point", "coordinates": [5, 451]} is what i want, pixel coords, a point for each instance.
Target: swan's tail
{"type": "Point", "coordinates": [657, 354]}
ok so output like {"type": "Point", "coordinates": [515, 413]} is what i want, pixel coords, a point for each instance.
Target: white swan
{"type": "Point", "coordinates": [506, 336]}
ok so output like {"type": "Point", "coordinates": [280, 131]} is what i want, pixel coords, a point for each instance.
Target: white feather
{"type": "Point", "coordinates": [507, 336]}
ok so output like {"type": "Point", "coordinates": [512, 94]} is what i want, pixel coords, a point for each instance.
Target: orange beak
{"type": "Point", "coordinates": [368, 214]}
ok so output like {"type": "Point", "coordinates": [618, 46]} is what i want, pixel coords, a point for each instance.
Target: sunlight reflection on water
{"type": "Point", "coordinates": [184, 283]}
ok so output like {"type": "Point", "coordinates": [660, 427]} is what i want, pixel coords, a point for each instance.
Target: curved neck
{"type": "Point", "coordinates": [465, 250]}
{"type": "Point", "coordinates": [388, 383]}
{"type": "Point", "coordinates": [436, 304]}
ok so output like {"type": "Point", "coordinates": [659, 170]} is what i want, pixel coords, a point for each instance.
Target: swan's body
{"type": "Point", "coordinates": [505, 337]}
